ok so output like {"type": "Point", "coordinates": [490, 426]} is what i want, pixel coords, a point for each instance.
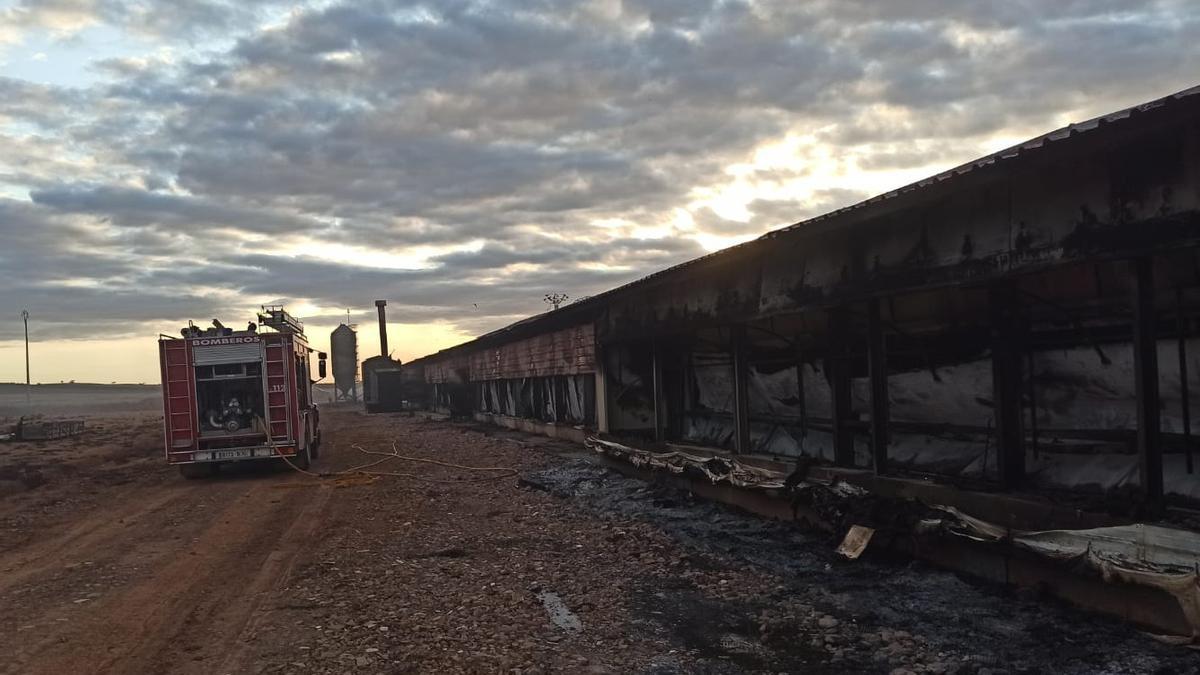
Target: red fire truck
{"type": "Point", "coordinates": [232, 396]}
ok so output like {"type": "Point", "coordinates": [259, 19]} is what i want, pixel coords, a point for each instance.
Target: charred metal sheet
{"type": "Point", "coordinates": [715, 469]}
{"type": "Point", "coordinates": [570, 351]}
{"type": "Point", "coordinates": [450, 369]}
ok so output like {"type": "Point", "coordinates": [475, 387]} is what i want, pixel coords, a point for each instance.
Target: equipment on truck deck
{"type": "Point", "coordinates": [239, 395]}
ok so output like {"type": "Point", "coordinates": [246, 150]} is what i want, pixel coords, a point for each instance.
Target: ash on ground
{"type": "Point", "coordinates": [820, 613]}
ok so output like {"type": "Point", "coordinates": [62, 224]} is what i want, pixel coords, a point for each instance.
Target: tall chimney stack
{"type": "Point", "coordinates": [380, 304]}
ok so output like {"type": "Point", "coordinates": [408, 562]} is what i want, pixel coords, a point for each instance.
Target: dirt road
{"type": "Point", "coordinates": [111, 563]}
{"type": "Point", "coordinates": [125, 567]}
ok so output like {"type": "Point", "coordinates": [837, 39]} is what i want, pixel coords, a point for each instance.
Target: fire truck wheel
{"type": "Point", "coordinates": [303, 458]}
{"type": "Point", "coordinates": [195, 471]}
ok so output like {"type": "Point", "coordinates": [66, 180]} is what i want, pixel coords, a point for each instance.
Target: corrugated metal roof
{"type": "Point", "coordinates": [1005, 155]}
{"type": "Point", "coordinates": [999, 156]}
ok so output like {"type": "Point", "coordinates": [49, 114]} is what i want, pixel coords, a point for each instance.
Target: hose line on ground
{"type": "Point", "coordinates": [363, 469]}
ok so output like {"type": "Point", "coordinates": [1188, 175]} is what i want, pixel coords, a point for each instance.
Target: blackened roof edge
{"type": "Point", "coordinates": [565, 315]}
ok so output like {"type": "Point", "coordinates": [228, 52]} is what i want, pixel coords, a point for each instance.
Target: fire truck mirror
{"type": "Point", "coordinates": [321, 365]}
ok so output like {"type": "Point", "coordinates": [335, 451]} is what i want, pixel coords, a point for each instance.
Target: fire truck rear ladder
{"type": "Point", "coordinates": [279, 421]}
{"type": "Point", "coordinates": [179, 395]}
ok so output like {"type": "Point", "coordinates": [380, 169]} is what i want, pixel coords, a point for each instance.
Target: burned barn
{"type": "Point", "coordinates": [1017, 337]}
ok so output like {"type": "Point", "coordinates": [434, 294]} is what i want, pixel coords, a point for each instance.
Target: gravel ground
{"type": "Point", "coordinates": [110, 562]}
{"type": "Point", "coordinates": [574, 568]}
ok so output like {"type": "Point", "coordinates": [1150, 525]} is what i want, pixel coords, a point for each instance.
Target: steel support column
{"type": "Point", "coordinates": [877, 362]}
{"type": "Point", "coordinates": [1006, 385]}
{"type": "Point", "coordinates": [601, 397]}
{"type": "Point", "coordinates": [838, 366]}
{"type": "Point", "coordinates": [1185, 404]}
{"type": "Point", "coordinates": [741, 392]}
{"type": "Point", "coordinates": [800, 399]}
{"type": "Point", "coordinates": [1145, 373]}
{"type": "Point", "coordinates": [656, 389]}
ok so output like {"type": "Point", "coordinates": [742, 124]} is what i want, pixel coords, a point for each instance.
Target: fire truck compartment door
{"type": "Point", "coordinates": [209, 355]}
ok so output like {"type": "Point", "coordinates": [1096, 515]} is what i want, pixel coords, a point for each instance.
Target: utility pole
{"type": "Point", "coordinates": [28, 398]}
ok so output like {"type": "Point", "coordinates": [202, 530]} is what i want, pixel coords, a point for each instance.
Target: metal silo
{"type": "Point", "coordinates": [343, 344]}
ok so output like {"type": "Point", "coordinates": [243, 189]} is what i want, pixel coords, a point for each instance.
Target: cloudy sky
{"type": "Point", "coordinates": [170, 159]}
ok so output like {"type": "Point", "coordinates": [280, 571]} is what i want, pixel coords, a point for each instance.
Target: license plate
{"type": "Point", "coordinates": [233, 454]}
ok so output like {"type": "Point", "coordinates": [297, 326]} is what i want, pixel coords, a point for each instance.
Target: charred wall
{"type": "Point", "coordinates": [1030, 320]}
{"type": "Point", "coordinates": [547, 378]}
{"type": "Point", "coordinates": [564, 352]}
{"type": "Point", "coordinates": [448, 384]}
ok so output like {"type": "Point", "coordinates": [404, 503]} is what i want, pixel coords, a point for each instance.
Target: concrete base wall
{"type": "Point", "coordinates": [568, 433]}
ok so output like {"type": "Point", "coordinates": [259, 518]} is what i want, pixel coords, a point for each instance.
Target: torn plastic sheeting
{"type": "Point", "coordinates": [559, 398]}
{"type": "Point", "coordinates": [1139, 554]}
{"type": "Point", "coordinates": [717, 469]}
{"type": "Point", "coordinates": [1142, 546]}
{"type": "Point", "coordinates": [1077, 389]}
{"type": "Point", "coordinates": [576, 397]}
{"type": "Point", "coordinates": [1132, 547]}
{"type": "Point", "coordinates": [1185, 588]}
{"type": "Point", "coordinates": [1145, 555]}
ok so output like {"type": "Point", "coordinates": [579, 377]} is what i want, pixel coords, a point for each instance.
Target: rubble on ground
{"type": "Point", "coordinates": [455, 576]}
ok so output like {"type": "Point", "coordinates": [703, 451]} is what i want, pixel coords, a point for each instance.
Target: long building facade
{"type": "Point", "coordinates": [1029, 321]}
